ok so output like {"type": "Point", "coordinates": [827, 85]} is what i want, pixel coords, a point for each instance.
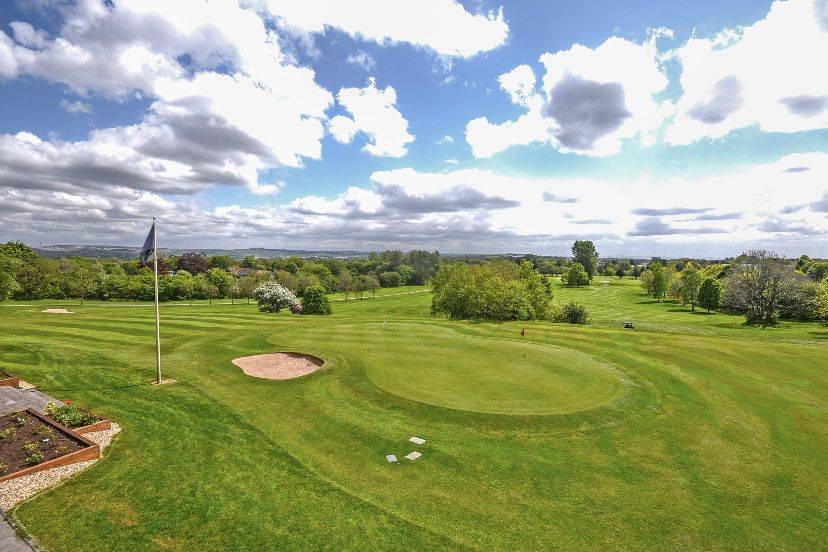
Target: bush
{"type": "Point", "coordinates": [572, 313]}
{"type": "Point", "coordinates": [71, 415]}
{"type": "Point", "coordinates": [273, 297]}
{"type": "Point", "coordinates": [34, 458]}
{"type": "Point", "coordinates": [390, 279]}
{"type": "Point", "coordinates": [3, 468]}
{"type": "Point", "coordinates": [314, 301]}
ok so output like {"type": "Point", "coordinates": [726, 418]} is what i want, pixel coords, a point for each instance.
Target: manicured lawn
{"type": "Point", "coordinates": [691, 432]}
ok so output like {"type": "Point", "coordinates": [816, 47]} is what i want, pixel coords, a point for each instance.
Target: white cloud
{"type": "Point", "coordinates": [769, 73]}
{"type": "Point", "coordinates": [362, 59]}
{"type": "Point", "coordinates": [373, 112]}
{"type": "Point", "coordinates": [8, 62]}
{"type": "Point", "coordinates": [446, 139]}
{"type": "Point", "coordinates": [76, 106]}
{"type": "Point", "coordinates": [204, 127]}
{"type": "Point", "coordinates": [443, 26]}
{"type": "Point", "coordinates": [590, 101]}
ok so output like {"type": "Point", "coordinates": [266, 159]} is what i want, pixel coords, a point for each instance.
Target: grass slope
{"type": "Point", "coordinates": [691, 432]}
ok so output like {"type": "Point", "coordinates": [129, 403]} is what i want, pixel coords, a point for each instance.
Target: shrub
{"type": "Point", "coordinates": [8, 433]}
{"type": "Point", "coordinates": [390, 279]}
{"type": "Point", "coordinates": [45, 431]}
{"type": "Point", "coordinates": [19, 419]}
{"type": "Point", "coordinates": [273, 297]}
{"type": "Point", "coordinates": [314, 301]}
{"type": "Point", "coordinates": [3, 467]}
{"type": "Point", "coordinates": [71, 415]}
{"type": "Point", "coordinates": [573, 313]}
{"type": "Point", "coordinates": [30, 447]}
{"type": "Point", "coordinates": [34, 458]}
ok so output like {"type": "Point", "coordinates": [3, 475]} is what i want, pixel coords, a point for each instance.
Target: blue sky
{"type": "Point", "coordinates": [656, 128]}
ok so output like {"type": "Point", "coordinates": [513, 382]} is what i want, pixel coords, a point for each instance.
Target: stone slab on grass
{"type": "Point", "coordinates": [417, 440]}
{"type": "Point", "coordinates": [391, 457]}
{"type": "Point", "coordinates": [413, 455]}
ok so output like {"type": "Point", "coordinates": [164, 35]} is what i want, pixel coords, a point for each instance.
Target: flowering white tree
{"type": "Point", "coordinates": [272, 297]}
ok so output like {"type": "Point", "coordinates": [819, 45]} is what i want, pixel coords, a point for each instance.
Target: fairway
{"type": "Point", "coordinates": [690, 432]}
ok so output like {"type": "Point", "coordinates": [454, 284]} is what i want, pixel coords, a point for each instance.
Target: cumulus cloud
{"type": "Point", "coordinates": [788, 227]}
{"type": "Point", "coordinates": [754, 75]}
{"type": "Point", "coordinates": [589, 102]}
{"type": "Point", "coordinates": [374, 113]}
{"type": "Point", "coordinates": [443, 26]}
{"type": "Point", "coordinates": [718, 216]}
{"type": "Point", "coordinates": [8, 62]}
{"type": "Point", "coordinates": [362, 59]}
{"type": "Point", "coordinates": [446, 139]}
{"type": "Point", "coordinates": [227, 104]}
{"type": "Point", "coordinates": [76, 106]}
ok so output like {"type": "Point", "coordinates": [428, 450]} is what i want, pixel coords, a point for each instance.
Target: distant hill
{"type": "Point", "coordinates": [120, 252]}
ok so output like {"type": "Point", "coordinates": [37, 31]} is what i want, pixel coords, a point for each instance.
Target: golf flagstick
{"type": "Point", "coordinates": [151, 245]}
{"type": "Point", "coordinates": [157, 313]}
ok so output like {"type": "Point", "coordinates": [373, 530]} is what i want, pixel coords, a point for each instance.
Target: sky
{"type": "Point", "coordinates": [652, 128]}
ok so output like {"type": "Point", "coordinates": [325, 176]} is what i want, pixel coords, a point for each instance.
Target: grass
{"type": "Point", "coordinates": [691, 432]}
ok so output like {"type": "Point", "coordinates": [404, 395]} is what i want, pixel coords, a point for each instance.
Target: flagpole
{"type": "Point", "coordinates": [157, 314]}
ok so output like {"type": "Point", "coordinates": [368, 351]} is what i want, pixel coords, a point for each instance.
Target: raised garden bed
{"type": "Point", "coordinates": [31, 442]}
{"type": "Point", "coordinates": [7, 380]}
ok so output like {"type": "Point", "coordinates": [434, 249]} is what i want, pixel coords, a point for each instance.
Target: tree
{"type": "Point", "coordinates": [710, 294]}
{"type": "Point", "coordinates": [221, 280]}
{"type": "Point", "coordinates": [187, 284]}
{"type": "Point", "coordinates": [818, 270]}
{"type": "Point", "coordinates": [757, 281]}
{"type": "Point", "coordinates": [273, 297]}
{"type": "Point", "coordinates": [576, 276]}
{"type": "Point", "coordinates": [194, 263]}
{"type": "Point", "coordinates": [623, 269]}
{"type": "Point", "coordinates": [8, 272]}
{"type": "Point", "coordinates": [345, 283]}
{"type": "Point", "coordinates": [690, 282]}
{"type": "Point", "coordinates": [609, 270]}
{"type": "Point", "coordinates": [583, 252]}
{"type": "Point", "coordinates": [425, 265]}
{"type": "Point", "coordinates": [246, 286]}
{"type": "Point", "coordinates": [390, 279]}
{"type": "Point", "coordinates": [646, 277]}
{"type": "Point", "coordinates": [573, 313]}
{"type": "Point", "coordinates": [371, 284]}
{"type": "Point", "coordinates": [314, 301]}
{"type": "Point", "coordinates": [406, 273]}
{"type": "Point", "coordinates": [659, 285]}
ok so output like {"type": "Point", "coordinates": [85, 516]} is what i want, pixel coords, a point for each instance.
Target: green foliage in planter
{"type": "Point", "coordinates": [71, 415]}
{"type": "Point", "coordinates": [34, 458]}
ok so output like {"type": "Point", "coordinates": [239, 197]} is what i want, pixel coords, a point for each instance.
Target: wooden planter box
{"type": "Point", "coordinates": [92, 451]}
{"type": "Point", "coordinates": [10, 381]}
{"type": "Point", "coordinates": [97, 426]}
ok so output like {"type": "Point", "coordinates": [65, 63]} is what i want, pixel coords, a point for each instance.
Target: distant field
{"type": "Point", "coordinates": [691, 432]}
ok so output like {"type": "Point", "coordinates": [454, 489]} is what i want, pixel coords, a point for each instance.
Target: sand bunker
{"type": "Point", "coordinates": [278, 366]}
{"type": "Point", "coordinates": [57, 311]}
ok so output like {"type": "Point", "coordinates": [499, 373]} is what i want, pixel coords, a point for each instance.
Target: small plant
{"type": "Point", "coordinates": [34, 458]}
{"type": "Point", "coordinates": [8, 433]}
{"type": "Point", "coordinates": [45, 431]}
{"type": "Point", "coordinates": [71, 415]}
{"type": "Point", "coordinates": [19, 419]}
{"type": "Point", "coordinates": [4, 373]}
{"type": "Point", "coordinates": [30, 447]}
{"type": "Point", "coordinates": [62, 449]}
{"type": "Point", "coordinates": [3, 467]}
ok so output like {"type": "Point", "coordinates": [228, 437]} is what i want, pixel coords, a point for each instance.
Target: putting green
{"type": "Point", "coordinates": [490, 375]}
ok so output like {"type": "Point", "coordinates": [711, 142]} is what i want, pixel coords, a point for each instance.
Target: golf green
{"type": "Point", "coordinates": [495, 375]}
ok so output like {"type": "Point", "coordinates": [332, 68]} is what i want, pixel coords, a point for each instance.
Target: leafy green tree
{"type": "Point", "coordinates": [710, 294]}
{"type": "Point", "coordinates": [345, 283]}
{"type": "Point", "coordinates": [8, 273]}
{"type": "Point", "coordinates": [690, 282]}
{"type": "Point", "coordinates": [221, 280]}
{"type": "Point", "coordinates": [646, 278]}
{"type": "Point", "coordinates": [624, 268]}
{"type": "Point", "coordinates": [406, 273]}
{"type": "Point", "coordinates": [573, 313]}
{"type": "Point", "coordinates": [584, 253]}
{"type": "Point", "coordinates": [315, 301]}
{"type": "Point", "coordinates": [659, 284]}
{"type": "Point", "coordinates": [576, 276]}
{"type": "Point", "coordinates": [818, 270]}
{"type": "Point", "coordinates": [390, 279]}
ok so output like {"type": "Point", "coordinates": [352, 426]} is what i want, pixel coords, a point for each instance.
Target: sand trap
{"type": "Point", "coordinates": [57, 311]}
{"type": "Point", "coordinates": [278, 366]}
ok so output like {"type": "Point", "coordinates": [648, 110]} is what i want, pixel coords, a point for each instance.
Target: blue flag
{"type": "Point", "coordinates": [149, 245]}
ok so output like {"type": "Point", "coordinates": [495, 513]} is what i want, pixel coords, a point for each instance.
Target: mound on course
{"type": "Point", "coordinates": [691, 432]}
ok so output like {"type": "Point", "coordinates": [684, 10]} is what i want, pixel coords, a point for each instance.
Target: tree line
{"type": "Point", "coordinates": [25, 275]}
